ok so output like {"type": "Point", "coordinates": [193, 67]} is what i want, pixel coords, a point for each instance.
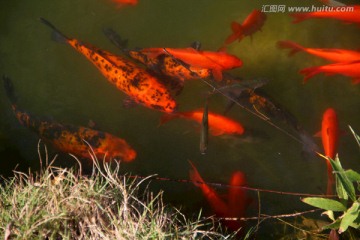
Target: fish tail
{"type": "Point", "coordinates": [309, 72]}
{"type": "Point", "coordinates": [295, 48]}
{"type": "Point", "coordinates": [299, 17]}
{"type": "Point", "coordinates": [9, 90]}
{"type": "Point", "coordinates": [195, 176]}
{"type": "Point", "coordinates": [167, 117]}
{"type": "Point", "coordinates": [56, 34]}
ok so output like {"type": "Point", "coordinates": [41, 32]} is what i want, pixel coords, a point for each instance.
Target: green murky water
{"type": "Point", "coordinates": [51, 79]}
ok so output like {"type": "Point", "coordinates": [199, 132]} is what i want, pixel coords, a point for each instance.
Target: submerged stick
{"type": "Point", "coordinates": [204, 133]}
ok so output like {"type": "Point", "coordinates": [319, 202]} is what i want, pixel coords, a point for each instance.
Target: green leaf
{"type": "Point", "coordinates": [330, 214]}
{"type": "Point", "coordinates": [334, 225]}
{"type": "Point", "coordinates": [352, 175]}
{"type": "Point", "coordinates": [325, 203]}
{"type": "Point", "coordinates": [356, 223]}
{"type": "Point", "coordinates": [344, 186]}
{"type": "Point", "coordinates": [349, 217]}
{"type": "Point", "coordinates": [357, 138]}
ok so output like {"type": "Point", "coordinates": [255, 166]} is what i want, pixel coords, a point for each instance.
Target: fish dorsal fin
{"type": "Point", "coordinates": [235, 27]}
{"type": "Point", "coordinates": [196, 45]}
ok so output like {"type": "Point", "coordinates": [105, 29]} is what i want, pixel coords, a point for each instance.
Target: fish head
{"type": "Point", "coordinates": [117, 148]}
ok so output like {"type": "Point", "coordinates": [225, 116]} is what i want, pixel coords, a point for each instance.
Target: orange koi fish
{"type": "Point", "coordinates": [349, 69]}
{"type": "Point", "coordinates": [134, 81]}
{"type": "Point", "coordinates": [237, 199]}
{"type": "Point", "coordinates": [215, 61]}
{"type": "Point", "coordinates": [252, 23]}
{"type": "Point", "coordinates": [170, 67]}
{"type": "Point", "coordinates": [329, 135]}
{"type": "Point", "coordinates": [346, 16]}
{"type": "Point", "coordinates": [334, 55]}
{"type": "Point", "coordinates": [72, 139]}
{"type": "Point", "coordinates": [218, 124]}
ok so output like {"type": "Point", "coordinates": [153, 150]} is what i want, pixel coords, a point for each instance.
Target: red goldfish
{"type": "Point", "coordinates": [125, 2]}
{"type": "Point", "coordinates": [218, 124]}
{"type": "Point", "coordinates": [136, 82]}
{"type": "Point", "coordinates": [72, 139]}
{"type": "Point", "coordinates": [348, 16]}
{"type": "Point", "coordinates": [329, 135]}
{"type": "Point", "coordinates": [349, 69]}
{"type": "Point", "coordinates": [216, 203]}
{"type": "Point", "coordinates": [237, 200]}
{"type": "Point", "coordinates": [215, 61]}
{"type": "Point", "coordinates": [253, 22]}
{"type": "Point", "coordinates": [335, 55]}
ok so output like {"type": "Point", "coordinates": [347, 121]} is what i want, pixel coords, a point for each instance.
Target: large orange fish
{"type": "Point", "coordinates": [214, 61]}
{"type": "Point", "coordinates": [237, 199]}
{"type": "Point", "coordinates": [332, 54]}
{"type": "Point", "coordinates": [329, 135]}
{"type": "Point", "coordinates": [172, 72]}
{"type": "Point", "coordinates": [349, 69]}
{"type": "Point", "coordinates": [253, 22]}
{"type": "Point", "coordinates": [72, 139]}
{"type": "Point", "coordinates": [346, 16]}
{"type": "Point", "coordinates": [136, 82]}
{"type": "Point", "coordinates": [218, 124]}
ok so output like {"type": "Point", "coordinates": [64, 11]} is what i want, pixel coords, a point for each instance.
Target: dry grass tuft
{"type": "Point", "coordinates": [60, 203]}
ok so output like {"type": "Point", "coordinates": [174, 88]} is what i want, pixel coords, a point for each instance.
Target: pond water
{"type": "Point", "coordinates": [53, 80]}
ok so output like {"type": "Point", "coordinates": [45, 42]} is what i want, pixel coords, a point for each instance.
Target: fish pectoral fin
{"type": "Point", "coordinates": [318, 134]}
{"type": "Point", "coordinates": [355, 80]}
{"type": "Point", "coordinates": [217, 74]}
{"type": "Point", "coordinates": [129, 102]}
{"type": "Point", "coordinates": [196, 45]}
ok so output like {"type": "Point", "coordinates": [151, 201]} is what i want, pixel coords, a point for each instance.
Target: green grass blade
{"type": "Point", "coordinates": [344, 186]}
{"type": "Point", "coordinates": [357, 137]}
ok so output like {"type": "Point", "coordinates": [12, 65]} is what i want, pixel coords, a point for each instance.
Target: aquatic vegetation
{"type": "Point", "coordinates": [60, 203]}
{"type": "Point", "coordinates": [344, 212]}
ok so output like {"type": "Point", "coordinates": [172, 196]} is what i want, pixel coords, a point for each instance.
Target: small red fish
{"type": "Point", "coordinates": [215, 61]}
{"type": "Point", "coordinates": [216, 203]}
{"type": "Point", "coordinates": [136, 82]}
{"type": "Point", "coordinates": [349, 69]}
{"type": "Point", "coordinates": [345, 16]}
{"type": "Point", "coordinates": [72, 139]}
{"type": "Point", "coordinates": [253, 22]}
{"type": "Point", "coordinates": [218, 124]}
{"type": "Point", "coordinates": [237, 200]}
{"type": "Point", "coordinates": [329, 135]}
{"type": "Point", "coordinates": [332, 54]}
{"type": "Point", "coordinates": [122, 3]}
{"type": "Point", "coordinates": [237, 195]}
